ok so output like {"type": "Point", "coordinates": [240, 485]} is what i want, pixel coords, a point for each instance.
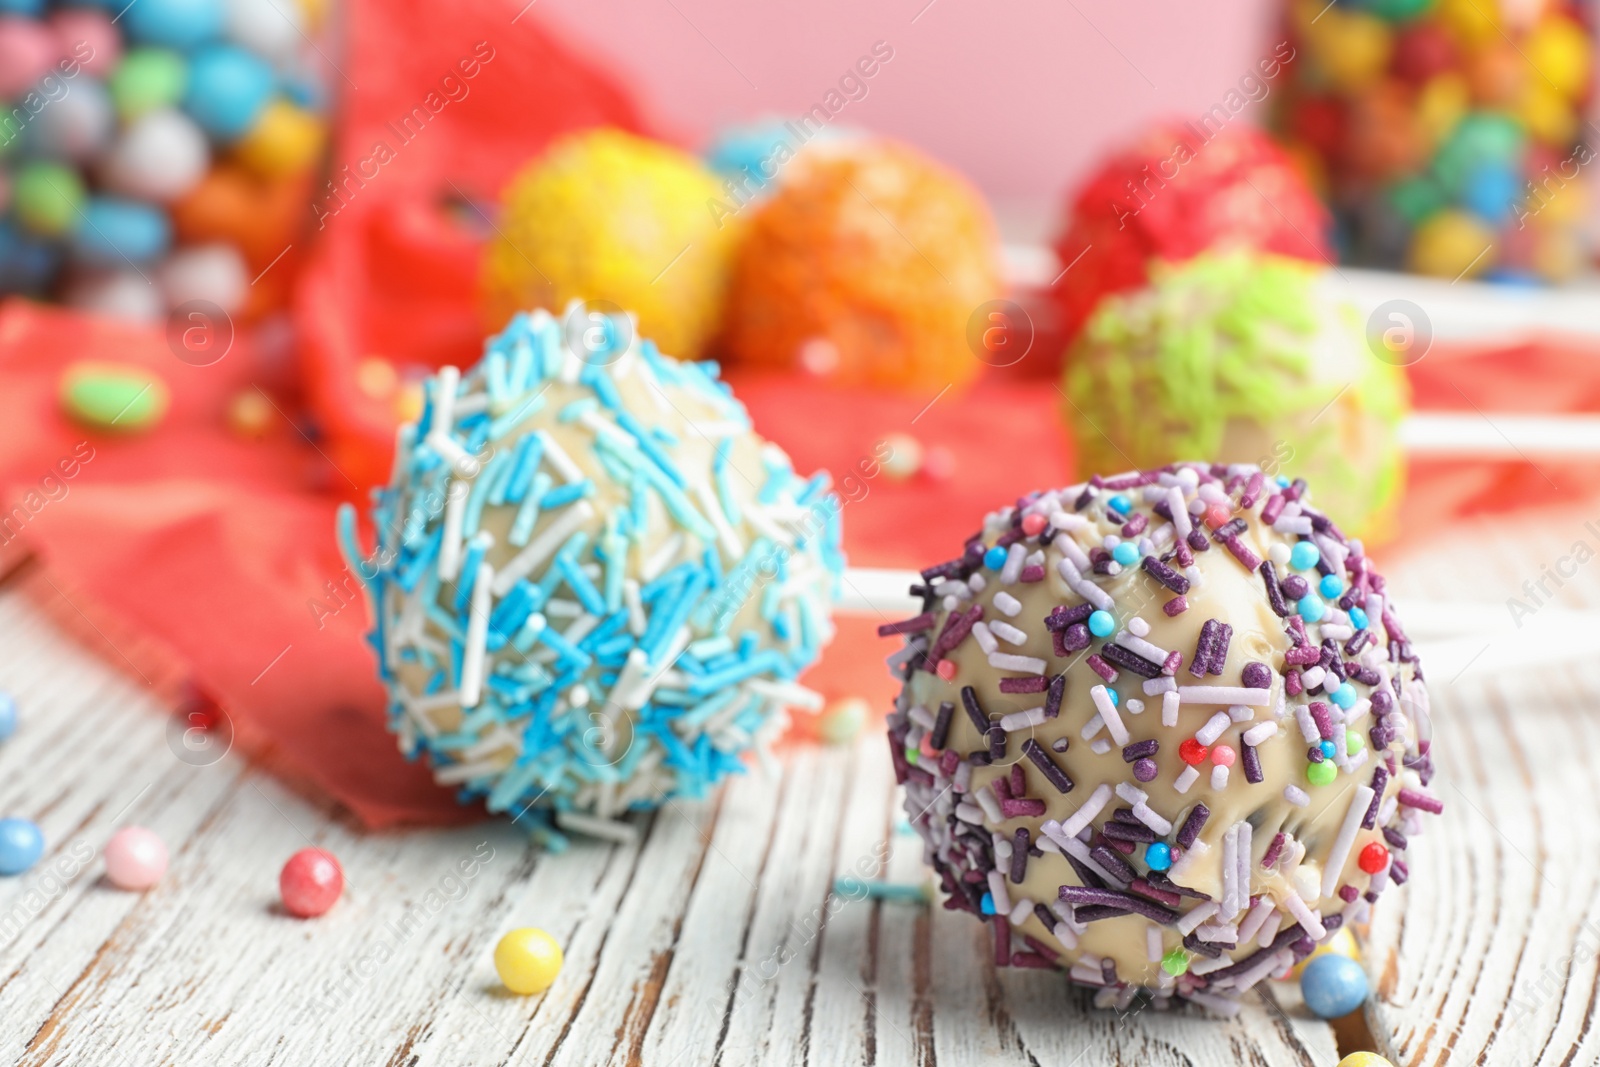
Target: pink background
{"type": "Point", "coordinates": [1020, 95]}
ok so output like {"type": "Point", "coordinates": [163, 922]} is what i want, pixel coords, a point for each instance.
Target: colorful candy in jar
{"type": "Point", "coordinates": [1446, 132]}
{"type": "Point", "coordinates": [114, 124]}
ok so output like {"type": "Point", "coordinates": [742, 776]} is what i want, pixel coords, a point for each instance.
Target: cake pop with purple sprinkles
{"type": "Point", "coordinates": [1161, 730]}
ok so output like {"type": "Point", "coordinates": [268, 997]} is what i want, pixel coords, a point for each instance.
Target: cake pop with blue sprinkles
{"type": "Point", "coordinates": [594, 585]}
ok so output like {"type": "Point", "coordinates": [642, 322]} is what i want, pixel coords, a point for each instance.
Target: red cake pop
{"type": "Point", "coordinates": [1177, 191]}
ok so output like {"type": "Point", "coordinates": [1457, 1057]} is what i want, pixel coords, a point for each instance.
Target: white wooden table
{"type": "Point", "coordinates": [713, 939]}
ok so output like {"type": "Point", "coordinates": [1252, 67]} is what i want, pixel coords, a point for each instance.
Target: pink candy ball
{"type": "Point", "coordinates": [310, 882]}
{"type": "Point", "coordinates": [1223, 756]}
{"type": "Point", "coordinates": [88, 36]}
{"type": "Point", "coordinates": [135, 858]}
{"type": "Point", "coordinates": [27, 51]}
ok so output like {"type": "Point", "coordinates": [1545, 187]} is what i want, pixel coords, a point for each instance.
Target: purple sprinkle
{"type": "Point", "coordinates": [1269, 577]}
{"type": "Point", "coordinates": [1145, 770]}
{"type": "Point", "coordinates": [1156, 893]}
{"type": "Point", "coordinates": [1032, 959]}
{"type": "Point", "coordinates": [1108, 971]}
{"type": "Point", "coordinates": [1052, 697]}
{"type": "Point", "coordinates": [941, 725]}
{"type": "Point", "coordinates": [1360, 641]}
{"type": "Point", "coordinates": [1047, 766]}
{"type": "Point", "coordinates": [997, 743]}
{"type": "Point", "coordinates": [1197, 541]}
{"type": "Point", "coordinates": [1135, 832]}
{"type": "Point", "coordinates": [1273, 508]}
{"type": "Point", "coordinates": [922, 622]}
{"type": "Point", "coordinates": [1183, 554]}
{"type": "Point", "coordinates": [1193, 825]}
{"type": "Point", "coordinates": [1102, 668]}
{"type": "Point", "coordinates": [1194, 944]}
{"type": "Point", "coordinates": [1349, 893]}
{"type": "Point", "coordinates": [1292, 686]}
{"type": "Point", "coordinates": [1202, 648]}
{"type": "Point", "coordinates": [1033, 572]}
{"type": "Point", "coordinates": [956, 628]}
{"type": "Point", "coordinates": [1111, 861]}
{"type": "Point", "coordinates": [1252, 764]}
{"type": "Point", "coordinates": [1252, 491]}
{"type": "Point", "coordinates": [1024, 808]}
{"type": "Point", "coordinates": [1140, 749]}
{"type": "Point", "coordinates": [1130, 660]}
{"type": "Point", "coordinates": [1413, 798]}
{"type": "Point", "coordinates": [1256, 675]}
{"type": "Point", "coordinates": [1002, 940]}
{"type": "Point", "coordinates": [1396, 839]}
{"type": "Point", "coordinates": [1320, 716]}
{"type": "Point", "coordinates": [1165, 575]}
{"type": "Point", "coordinates": [1303, 655]}
{"type": "Point", "coordinates": [1314, 754]}
{"type": "Point", "coordinates": [1175, 607]}
{"type": "Point", "coordinates": [1063, 617]}
{"type": "Point", "coordinates": [1019, 855]}
{"type": "Point", "coordinates": [969, 700]}
{"type": "Point", "coordinates": [1089, 913]}
{"type": "Point", "coordinates": [1274, 850]}
{"type": "Point", "coordinates": [1028, 683]}
{"type": "Point", "coordinates": [1219, 652]}
{"type": "Point", "coordinates": [1242, 553]}
{"type": "Point", "coordinates": [1382, 702]}
{"type": "Point", "coordinates": [1380, 781]}
{"type": "Point", "coordinates": [1134, 526]}
{"type": "Point", "coordinates": [1174, 661]}
{"type": "Point", "coordinates": [1399, 872]}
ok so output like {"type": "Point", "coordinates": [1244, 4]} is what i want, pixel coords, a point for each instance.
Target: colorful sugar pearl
{"type": "Point", "coordinates": [1333, 986]}
{"type": "Point", "coordinates": [1010, 763]}
{"type": "Point", "coordinates": [8, 716]}
{"type": "Point", "coordinates": [527, 960]}
{"type": "Point", "coordinates": [21, 845]}
{"type": "Point", "coordinates": [310, 883]}
{"type": "Point", "coordinates": [842, 720]}
{"type": "Point", "coordinates": [135, 858]}
{"type": "Point", "coordinates": [118, 397]}
{"type": "Point", "coordinates": [1269, 355]}
{"type": "Point", "coordinates": [561, 527]}
{"type": "Point", "coordinates": [610, 217]}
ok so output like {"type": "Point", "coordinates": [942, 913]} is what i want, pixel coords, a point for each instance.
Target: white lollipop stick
{"type": "Point", "coordinates": [1453, 639]}
{"type": "Point", "coordinates": [1501, 436]}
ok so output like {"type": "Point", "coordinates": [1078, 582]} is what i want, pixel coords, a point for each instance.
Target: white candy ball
{"type": "Point", "coordinates": [77, 125]}
{"type": "Point", "coordinates": [118, 294]}
{"type": "Point", "coordinates": [265, 27]}
{"type": "Point", "coordinates": [215, 273]}
{"type": "Point", "coordinates": [159, 157]}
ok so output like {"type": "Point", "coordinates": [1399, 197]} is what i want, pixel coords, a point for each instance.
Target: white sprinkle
{"type": "Point", "coordinates": [455, 508]}
{"type": "Point", "coordinates": [1004, 661]}
{"type": "Point", "coordinates": [1308, 725]}
{"type": "Point", "coordinates": [1279, 553]}
{"type": "Point", "coordinates": [1213, 728]}
{"type": "Point", "coordinates": [472, 656]}
{"type": "Point", "coordinates": [1092, 727]}
{"type": "Point", "coordinates": [968, 812]}
{"type": "Point", "coordinates": [1151, 818]}
{"type": "Point", "coordinates": [1100, 746]}
{"type": "Point", "coordinates": [1230, 872]}
{"type": "Point", "coordinates": [1020, 912]}
{"type": "Point", "coordinates": [1259, 733]}
{"type": "Point", "coordinates": [1108, 711]}
{"type": "Point", "coordinates": [1190, 921]}
{"type": "Point", "coordinates": [1021, 720]}
{"type": "Point", "coordinates": [1219, 778]}
{"type": "Point", "coordinates": [1186, 779]}
{"type": "Point", "coordinates": [1243, 882]}
{"type": "Point", "coordinates": [1013, 564]}
{"type": "Point", "coordinates": [1345, 839]}
{"type": "Point", "coordinates": [557, 457]}
{"type": "Point", "coordinates": [1296, 796]}
{"type": "Point", "coordinates": [1006, 632]}
{"type": "Point", "coordinates": [1313, 677]}
{"type": "Point", "coordinates": [1138, 627]}
{"type": "Point", "coordinates": [630, 598]}
{"type": "Point", "coordinates": [982, 635]}
{"type": "Point", "coordinates": [1007, 603]}
{"type": "Point", "coordinates": [590, 826]}
{"type": "Point", "coordinates": [986, 800]}
{"type": "Point", "coordinates": [1224, 694]}
{"type": "Point", "coordinates": [541, 547]}
{"type": "Point", "coordinates": [976, 584]}
{"type": "Point", "coordinates": [1309, 921]}
{"type": "Point", "coordinates": [1084, 815]}
{"type": "Point", "coordinates": [1068, 547]}
{"type": "Point", "coordinates": [1159, 686]}
{"type": "Point", "coordinates": [1169, 708]}
{"type": "Point", "coordinates": [1269, 929]}
{"type": "Point", "coordinates": [1180, 867]}
{"type": "Point", "coordinates": [997, 889]}
{"type": "Point", "coordinates": [1240, 713]}
{"type": "Point", "coordinates": [662, 557]}
{"type": "Point", "coordinates": [1135, 706]}
{"type": "Point", "coordinates": [1252, 922]}
{"type": "Point", "coordinates": [1140, 646]}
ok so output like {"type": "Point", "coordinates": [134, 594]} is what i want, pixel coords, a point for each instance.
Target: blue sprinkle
{"type": "Point", "coordinates": [1358, 618]}
{"type": "Point", "coordinates": [1126, 553]}
{"type": "Point", "coordinates": [1119, 503]}
{"type": "Point", "coordinates": [1101, 624]}
{"type": "Point", "coordinates": [1344, 696]}
{"type": "Point", "coordinates": [1116, 700]}
{"type": "Point", "coordinates": [1158, 855]}
{"type": "Point", "coordinates": [987, 904]}
{"type": "Point", "coordinates": [1304, 556]}
{"type": "Point", "coordinates": [1331, 586]}
{"type": "Point", "coordinates": [1327, 749]}
{"type": "Point", "coordinates": [995, 558]}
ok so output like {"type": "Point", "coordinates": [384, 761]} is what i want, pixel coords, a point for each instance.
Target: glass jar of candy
{"type": "Point", "coordinates": [1449, 137]}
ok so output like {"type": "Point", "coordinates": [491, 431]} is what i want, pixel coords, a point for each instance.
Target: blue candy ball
{"type": "Point", "coordinates": [1311, 608]}
{"type": "Point", "coordinates": [115, 232]}
{"type": "Point", "coordinates": [21, 845]}
{"type": "Point", "coordinates": [8, 716]}
{"type": "Point", "coordinates": [1333, 985]}
{"type": "Point", "coordinates": [228, 87]}
{"type": "Point", "coordinates": [1127, 553]}
{"type": "Point", "coordinates": [27, 264]}
{"type": "Point", "coordinates": [1331, 586]}
{"type": "Point", "coordinates": [1344, 696]}
{"type": "Point", "coordinates": [752, 151]}
{"type": "Point", "coordinates": [1158, 855]}
{"type": "Point", "coordinates": [1491, 191]}
{"type": "Point", "coordinates": [1304, 556]}
{"type": "Point", "coordinates": [1101, 623]}
{"type": "Point", "coordinates": [174, 23]}
{"type": "Point", "coordinates": [1120, 504]}
{"type": "Point", "coordinates": [995, 558]}
{"type": "Point", "coordinates": [1112, 693]}
{"type": "Point", "coordinates": [986, 905]}
{"type": "Point", "coordinates": [1328, 749]}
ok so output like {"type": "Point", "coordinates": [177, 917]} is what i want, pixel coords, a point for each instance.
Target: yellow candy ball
{"type": "Point", "coordinates": [1473, 23]}
{"type": "Point", "coordinates": [1452, 244]}
{"type": "Point", "coordinates": [1441, 104]}
{"type": "Point", "coordinates": [286, 140]}
{"type": "Point", "coordinates": [1364, 1059]}
{"type": "Point", "coordinates": [604, 215]}
{"type": "Point", "coordinates": [1342, 943]}
{"type": "Point", "coordinates": [841, 721]}
{"type": "Point", "coordinates": [1355, 49]}
{"type": "Point", "coordinates": [1559, 51]}
{"type": "Point", "coordinates": [527, 960]}
{"type": "Point", "coordinates": [1547, 114]}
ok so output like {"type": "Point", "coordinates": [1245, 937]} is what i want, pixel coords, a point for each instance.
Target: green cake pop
{"type": "Point", "coordinates": [1241, 358]}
